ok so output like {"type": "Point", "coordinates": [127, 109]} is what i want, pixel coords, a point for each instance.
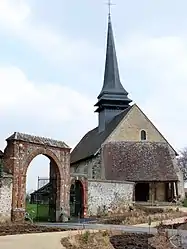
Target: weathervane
{"type": "Point", "coordinates": [109, 6]}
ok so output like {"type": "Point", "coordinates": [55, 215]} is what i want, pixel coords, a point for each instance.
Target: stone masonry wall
{"type": "Point", "coordinates": [6, 198]}
{"type": "Point", "coordinates": [130, 128]}
{"type": "Point", "coordinates": [181, 191]}
{"type": "Point", "coordinates": [160, 191]}
{"type": "Point", "coordinates": [90, 167]}
{"type": "Point", "coordinates": [108, 193]}
{"type": "Point", "coordinates": [157, 190]}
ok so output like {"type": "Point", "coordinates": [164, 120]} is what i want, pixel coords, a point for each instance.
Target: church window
{"type": "Point", "coordinates": [143, 135]}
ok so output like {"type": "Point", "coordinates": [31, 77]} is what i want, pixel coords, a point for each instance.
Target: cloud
{"type": "Point", "coordinates": [155, 67]}
{"type": "Point", "coordinates": [162, 64]}
{"type": "Point", "coordinates": [159, 53]}
{"type": "Point", "coordinates": [48, 109]}
{"type": "Point", "coordinates": [17, 19]}
{"type": "Point", "coordinates": [13, 13]}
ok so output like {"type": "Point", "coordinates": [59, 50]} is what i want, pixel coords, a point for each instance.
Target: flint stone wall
{"type": "Point", "coordinates": [108, 193]}
{"type": "Point", "coordinates": [5, 198]}
{"type": "Point", "coordinates": [91, 167]}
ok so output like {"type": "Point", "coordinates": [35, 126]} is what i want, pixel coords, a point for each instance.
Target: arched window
{"type": "Point", "coordinates": [143, 135]}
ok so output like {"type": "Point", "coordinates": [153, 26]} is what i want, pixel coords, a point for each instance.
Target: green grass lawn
{"type": "Point", "coordinates": [185, 203]}
{"type": "Point", "coordinates": [39, 212]}
{"type": "Point", "coordinates": [32, 210]}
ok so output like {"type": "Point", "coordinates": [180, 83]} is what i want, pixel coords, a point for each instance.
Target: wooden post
{"type": "Point", "coordinates": [155, 191]}
{"type": "Point", "coordinates": [152, 193]}
{"type": "Point", "coordinates": [177, 191]}
{"type": "Point", "coordinates": [174, 189]}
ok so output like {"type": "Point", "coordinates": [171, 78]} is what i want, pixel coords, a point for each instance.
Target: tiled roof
{"type": "Point", "coordinates": [138, 161]}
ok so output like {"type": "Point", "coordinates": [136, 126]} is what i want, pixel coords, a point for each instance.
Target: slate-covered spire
{"type": "Point", "coordinates": [112, 82]}
{"type": "Point", "coordinates": [113, 98]}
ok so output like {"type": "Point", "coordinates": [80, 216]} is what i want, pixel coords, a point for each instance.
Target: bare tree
{"type": "Point", "coordinates": [182, 161]}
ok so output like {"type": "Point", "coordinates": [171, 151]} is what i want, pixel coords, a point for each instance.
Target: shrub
{"type": "Point", "coordinates": [85, 237]}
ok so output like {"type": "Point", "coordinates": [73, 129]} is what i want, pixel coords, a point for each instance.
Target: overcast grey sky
{"type": "Point", "coordinates": [52, 66]}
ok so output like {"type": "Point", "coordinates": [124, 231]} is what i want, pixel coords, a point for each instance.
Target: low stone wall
{"type": "Point", "coordinates": [102, 193]}
{"type": "Point", "coordinates": [5, 198]}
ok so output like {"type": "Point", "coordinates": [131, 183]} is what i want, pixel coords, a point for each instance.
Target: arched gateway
{"type": "Point", "coordinates": [21, 149]}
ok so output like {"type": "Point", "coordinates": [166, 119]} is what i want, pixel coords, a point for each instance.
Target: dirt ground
{"type": "Point", "coordinates": [131, 241]}
{"type": "Point", "coordinates": [116, 240]}
{"type": "Point", "coordinates": [160, 242]}
{"type": "Point", "coordinates": [136, 216]}
{"type": "Point", "coordinates": [24, 228]}
{"type": "Point", "coordinates": [142, 215]}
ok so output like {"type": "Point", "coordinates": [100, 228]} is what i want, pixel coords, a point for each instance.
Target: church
{"type": "Point", "coordinates": [126, 146]}
{"type": "Point", "coordinates": [124, 159]}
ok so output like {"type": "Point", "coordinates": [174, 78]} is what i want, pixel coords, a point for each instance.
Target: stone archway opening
{"type": "Point", "coordinates": [39, 167]}
{"type": "Point", "coordinates": [77, 199]}
{"type": "Point", "coordinates": [44, 200]}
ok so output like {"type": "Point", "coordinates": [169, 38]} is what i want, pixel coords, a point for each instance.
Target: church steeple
{"type": "Point", "coordinates": [113, 98]}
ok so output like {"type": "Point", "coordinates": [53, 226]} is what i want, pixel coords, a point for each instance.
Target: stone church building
{"type": "Point", "coordinates": [126, 146]}
{"type": "Point", "coordinates": [124, 159]}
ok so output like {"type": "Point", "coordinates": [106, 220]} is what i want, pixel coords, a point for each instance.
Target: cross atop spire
{"type": "Point", "coordinates": [109, 6]}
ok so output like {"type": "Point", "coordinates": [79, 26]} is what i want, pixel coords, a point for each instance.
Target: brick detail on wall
{"type": "Point", "coordinates": [17, 158]}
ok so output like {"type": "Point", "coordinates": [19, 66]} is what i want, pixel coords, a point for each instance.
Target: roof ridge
{"type": "Point", "coordinates": [37, 139]}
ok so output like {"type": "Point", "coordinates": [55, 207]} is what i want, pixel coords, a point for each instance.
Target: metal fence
{"type": "Point", "coordinates": [45, 197]}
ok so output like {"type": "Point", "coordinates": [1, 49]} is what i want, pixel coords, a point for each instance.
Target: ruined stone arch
{"type": "Point", "coordinates": [20, 151]}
